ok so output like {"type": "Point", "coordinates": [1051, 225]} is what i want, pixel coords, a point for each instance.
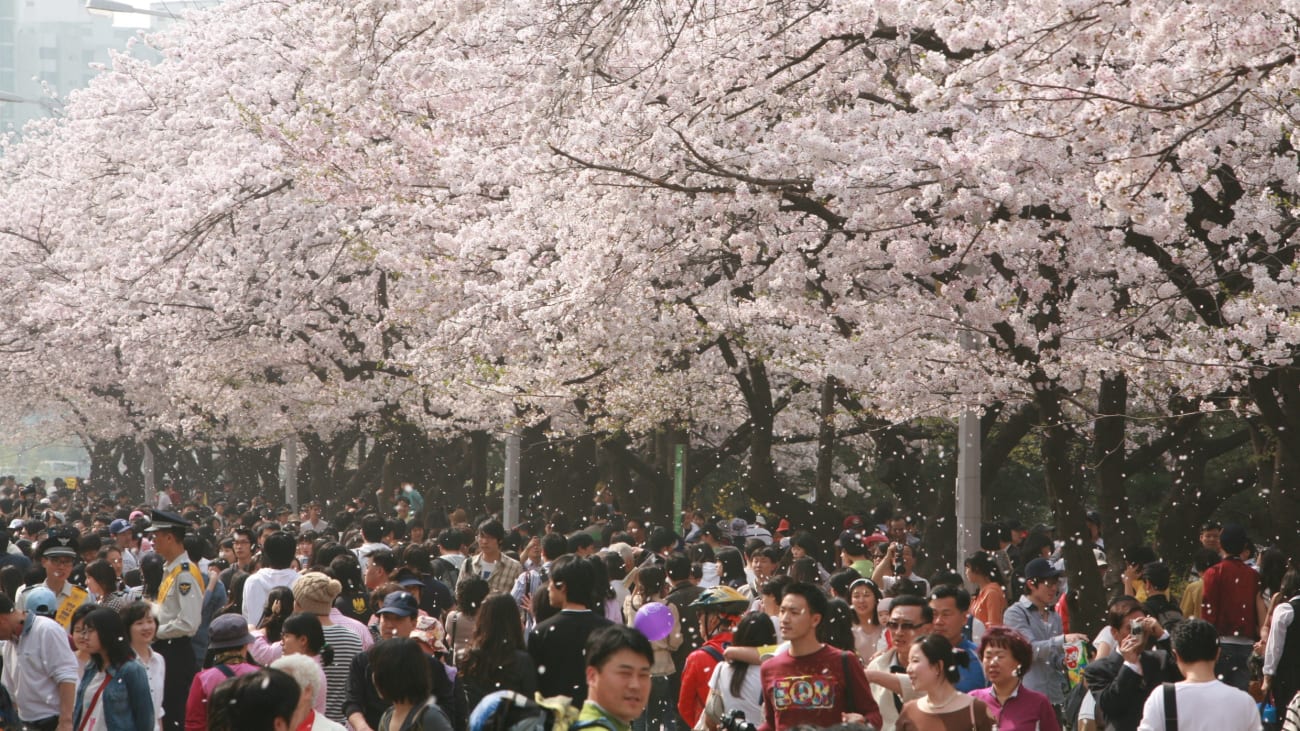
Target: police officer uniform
{"type": "Point", "coordinates": [180, 612]}
{"type": "Point", "coordinates": [69, 596]}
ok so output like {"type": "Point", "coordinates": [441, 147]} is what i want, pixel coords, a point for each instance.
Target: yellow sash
{"type": "Point", "coordinates": [74, 599]}
{"type": "Point", "coordinates": [171, 579]}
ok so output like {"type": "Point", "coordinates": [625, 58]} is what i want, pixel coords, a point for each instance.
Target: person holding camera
{"type": "Point", "coordinates": [898, 566]}
{"type": "Point", "coordinates": [1121, 681]}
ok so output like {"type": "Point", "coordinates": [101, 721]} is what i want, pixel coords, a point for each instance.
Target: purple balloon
{"type": "Point", "coordinates": [654, 620]}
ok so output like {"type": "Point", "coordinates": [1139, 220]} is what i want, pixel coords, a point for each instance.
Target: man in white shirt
{"type": "Point", "coordinates": [311, 518]}
{"type": "Point", "coordinates": [1202, 701]}
{"type": "Point", "coordinates": [277, 557]}
{"type": "Point", "coordinates": [40, 669]}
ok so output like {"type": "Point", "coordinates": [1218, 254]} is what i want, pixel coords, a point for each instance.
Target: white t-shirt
{"type": "Point", "coordinates": [156, 669]}
{"type": "Point", "coordinates": [750, 698]}
{"type": "Point", "coordinates": [1212, 706]}
{"type": "Point", "coordinates": [486, 568]}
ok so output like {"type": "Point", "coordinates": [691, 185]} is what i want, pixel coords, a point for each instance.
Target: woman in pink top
{"type": "Point", "coordinates": [1005, 656]}
{"type": "Point", "coordinates": [227, 657]}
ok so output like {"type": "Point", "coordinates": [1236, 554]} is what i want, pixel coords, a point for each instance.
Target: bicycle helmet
{"type": "Point", "coordinates": [721, 599]}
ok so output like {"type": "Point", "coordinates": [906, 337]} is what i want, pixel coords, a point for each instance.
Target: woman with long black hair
{"type": "Point", "coordinates": [496, 658]}
{"type": "Point", "coordinates": [114, 689]}
{"type": "Point", "coordinates": [737, 680]}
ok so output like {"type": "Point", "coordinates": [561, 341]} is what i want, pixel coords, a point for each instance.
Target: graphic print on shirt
{"type": "Point", "coordinates": [803, 692]}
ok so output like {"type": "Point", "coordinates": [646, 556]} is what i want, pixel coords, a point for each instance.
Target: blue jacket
{"type": "Point", "coordinates": [127, 703]}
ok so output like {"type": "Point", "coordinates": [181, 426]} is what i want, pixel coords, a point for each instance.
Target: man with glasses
{"type": "Point", "coordinates": [1034, 619]}
{"type": "Point", "coordinates": [909, 618]}
{"type": "Point", "coordinates": [57, 555]}
{"type": "Point", "coordinates": [242, 544]}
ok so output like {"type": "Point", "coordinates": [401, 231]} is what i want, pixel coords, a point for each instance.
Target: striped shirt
{"type": "Point", "coordinates": [346, 645]}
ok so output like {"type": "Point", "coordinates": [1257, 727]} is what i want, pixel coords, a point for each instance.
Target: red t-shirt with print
{"type": "Point", "coordinates": [812, 689]}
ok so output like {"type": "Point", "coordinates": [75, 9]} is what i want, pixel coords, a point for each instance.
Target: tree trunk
{"type": "Point", "coordinates": [1087, 613]}
{"type": "Point", "coordinates": [1118, 527]}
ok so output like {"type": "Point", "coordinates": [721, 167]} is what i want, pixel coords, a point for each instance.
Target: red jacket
{"type": "Point", "coordinates": [695, 677]}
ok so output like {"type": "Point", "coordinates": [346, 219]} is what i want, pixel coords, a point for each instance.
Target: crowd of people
{"type": "Point", "coordinates": [403, 616]}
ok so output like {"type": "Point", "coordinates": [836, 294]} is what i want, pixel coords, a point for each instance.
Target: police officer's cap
{"type": "Point", "coordinates": [163, 520]}
{"type": "Point", "coordinates": [59, 544]}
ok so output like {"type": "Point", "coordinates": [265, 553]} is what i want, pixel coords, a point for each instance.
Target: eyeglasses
{"type": "Point", "coordinates": [896, 625]}
{"type": "Point", "coordinates": [83, 631]}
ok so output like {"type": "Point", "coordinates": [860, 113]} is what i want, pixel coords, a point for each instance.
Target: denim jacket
{"type": "Point", "coordinates": [127, 703]}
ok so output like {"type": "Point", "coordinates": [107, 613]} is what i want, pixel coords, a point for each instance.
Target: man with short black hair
{"type": "Point", "coordinates": [557, 643]}
{"type": "Point", "coordinates": [451, 556]}
{"type": "Point", "coordinates": [530, 583]}
{"type": "Point", "coordinates": [277, 559]}
{"type": "Point", "coordinates": [909, 617]}
{"type": "Point", "coordinates": [1202, 701]}
{"type": "Point", "coordinates": [1156, 577]}
{"type": "Point", "coordinates": [373, 530]}
{"type": "Point", "coordinates": [812, 684]}
{"type": "Point", "coordinates": [490, 564]}
{"type": "Point", "coordinates": [1121, 681]}
{"type": "Point", "coordinates": [951, 608]}
{"type": "Point", "coordinates": [1231, 601]}
{"type": "Point", "coordinates": [618, 678]}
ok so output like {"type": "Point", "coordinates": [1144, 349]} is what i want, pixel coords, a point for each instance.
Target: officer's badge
{"type": "Point", "coordinates": [185, 589]}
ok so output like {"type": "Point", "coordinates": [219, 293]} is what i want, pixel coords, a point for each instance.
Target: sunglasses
{"type": "Point", "coordinates": [895, 625]}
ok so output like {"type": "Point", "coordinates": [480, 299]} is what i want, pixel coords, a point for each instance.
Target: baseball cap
{"type": "Point", "coordinates": [42, 601]}
{"type": "Point", "coordinates": [401, 603]}
{"type": "Point", "coordinates": [1041, 568]}
{"type": "Point", "coordinates": [121, 525]}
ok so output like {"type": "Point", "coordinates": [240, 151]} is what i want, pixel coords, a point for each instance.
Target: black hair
{"type": "Point", "coordinates": [870, 586]}
{"type": "Point", "coordinates": [470, 594]}
{"type": "Point", "coordinates": [103, 574]}
{"type": "Point", "coordinates": [400, 671]}
{"type": "Point", "coordinates": [453, 539]}
{"type": "Point", "coordinates": [841, 580]}
{"type": "Point", "coordinates": [498, 635]}
{"type": "Point", "coordinates": [959, 595]}
{"type": "Point", "coordinates": [732, 566]}
{"type": "Point", "coordinates": [603, 643]}
{"type": "Point", "coordinates": [939, 651]}
{"type": "Point", "coordinates": [386, 560]}
{"type": "Point", "coordinates": [114, 640]}
{"type": "Point", "coordinates": [775, 586]}
{"type": "Point", "coordinates": [701, 553]}
{"type": "Point", "coordinates": [1157, 574]}
{"type": "Point", "coordinates": [134, 612]}
{"type": "Point", "coordinates": [278, 550]}
{"type": "Point", "coordinates": [660, 539]}
{"type": "Point", "coordinates": [580, 541]}
{"type": "Point", "coordinates": [307, 626]}
{"type": "Point", "coordinates": [615, 567]}
{"type": "Point", "coordinates": [1233, 540]}
{"type": "Point", "coordinates": [836, 627]}
{"type": "Point", "coordinates": [576, 577]}
{"type": "Point", "coordinates": [373, 528]}
{"type": "Point", "coordinates": [278, 607]}
{"type": "Point", "coordinates": [804, 570]}
{"type": "Point", "coordinates": [817, 602]}
{"type": "Point", "coordinates": [754, 630]}
{"type": "Point", "coordinates": [345, 568]}
{"type": "Point", "coordinates": [1272, 565]}
{"type": "Point", "coordinates": [983, 564]}
{"type": "Point", "coordinates": [493, 529]}
{"type": "Point", "coordinates": [253, 702]}
{"type": "Point", "coordinates": [1119, 608]}
{"type": "Point", "coordinates": [913, 600]}
{"type": "Point", "coordinates": [554, 545]}
{"type": "Point", "coordinates": [1195, 640]}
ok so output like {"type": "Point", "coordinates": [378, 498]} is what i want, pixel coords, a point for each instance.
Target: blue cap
{"type": "Point", "coordinates": [121, 525]}
{"type": "Point", "coordinates": [41, 600]}
{"type": "Point", "coordinates": [401, 603]}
